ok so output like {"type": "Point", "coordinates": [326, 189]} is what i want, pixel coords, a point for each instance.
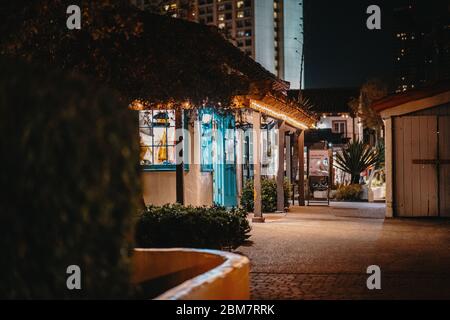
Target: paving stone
{"type": "Point", "coordinates": [321, 253]}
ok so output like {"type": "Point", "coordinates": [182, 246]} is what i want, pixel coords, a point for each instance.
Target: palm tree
{"type": "Point", "coordinates": [355, 158]}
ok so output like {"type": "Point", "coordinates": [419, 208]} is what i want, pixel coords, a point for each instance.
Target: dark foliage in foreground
{"type": "Point", "coordinates": [195, 227]}
{"type": "Point", "coordinates": [142, 55]}
{"type": "Point", "coordinates": [69, 185]}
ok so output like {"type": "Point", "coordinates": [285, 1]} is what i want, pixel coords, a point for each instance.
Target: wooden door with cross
{"type": "Point", "coordinates": [422, 165]}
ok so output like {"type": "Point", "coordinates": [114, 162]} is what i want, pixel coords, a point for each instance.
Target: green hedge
{"type": "Point", "coordinates": [69, 184]}
{"type": "Point", "coordinates": [194, 227]}
{"type": "Point", "coordinates": [350, 192]}
{"type": "Point", "coordinates": [268, 195]}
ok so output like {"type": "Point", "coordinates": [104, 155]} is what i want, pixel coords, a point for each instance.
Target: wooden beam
{"type": "Point", "coordinates": [257, 212]}
{"type": "Point", "coordinates": [179, 159]}
{"type": "Point", "coordinates": [280, 171]}
{"type": "Point", "coordinates": [301, 168]}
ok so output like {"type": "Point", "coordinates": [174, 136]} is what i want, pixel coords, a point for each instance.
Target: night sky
{"type": "Point", "coordinates": [339, 49]}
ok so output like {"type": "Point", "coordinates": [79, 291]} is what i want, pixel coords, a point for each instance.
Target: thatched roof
{"type": "Point", "coordinates": [156, 59]}
{"type": "Point", "coordinates": [143, 55]}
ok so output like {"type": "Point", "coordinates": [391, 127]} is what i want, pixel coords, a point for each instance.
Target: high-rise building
{"type": "Point", "coordinates": [183, 9]}
{"type": "Point", "coordinates": [271, 31]}
{"type": "Point", "coordinates": [422, 44]}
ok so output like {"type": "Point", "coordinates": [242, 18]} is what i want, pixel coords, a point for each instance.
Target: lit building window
{"type": "Point", "coordinates": [157, 137]}
{"type": "Point", "coordinates": [240, 14]}
{"type": "Point", "coordinates": [240, 4]}
{"type": "Point", "coordinates": [221, 17]}
{"type": "Point", "coordinates": [221, 25]}
{"type": "Point", "coordinates": [206, 140]}
{"type": "Point", "coordinates": [340, 126]}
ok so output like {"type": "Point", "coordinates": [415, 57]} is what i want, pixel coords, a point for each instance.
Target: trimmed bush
{"type": "Point", "coordinates": [268, 195]}
{"type": "Point", "coordinates": [69, 183]}
{"type": "Point", "coordinates": [287, 192]}
{"type": "Point", "coordinates": [174, 225]}
{"type": "Point", "coordinates": [247, 198]}
{"type": "Point", "coordinates": [350, 192]}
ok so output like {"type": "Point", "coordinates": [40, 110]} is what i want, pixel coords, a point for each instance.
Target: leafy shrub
{"type": "Point", "coordinates": [350, 192]}
{"type": "Point", "coordinates": [247, 198]}
{"type": "Point", "coordinates": [174, 225]}
{"type": "Point", "coordinates": [268, 195]}
{"type": "Point", "coordinates": [287, 192]}
{"type": "Point", "coordinates": [69, 153]}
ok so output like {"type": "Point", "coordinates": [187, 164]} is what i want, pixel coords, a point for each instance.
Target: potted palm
{"type": "Point", "coordinates": [355, 158]}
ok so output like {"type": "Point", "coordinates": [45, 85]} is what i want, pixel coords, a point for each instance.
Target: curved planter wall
{"type": "Point", "coordinates": [192, 274]}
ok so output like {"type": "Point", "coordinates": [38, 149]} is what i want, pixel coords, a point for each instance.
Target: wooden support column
{"type": "Point", "coordinates": [294, 164]}
{"type": "Point", "coordinates": [301, 168]}
{"type": "Point", "coordinates": [388, 151]}
{"type": "Point", "coordinates": [280, 171]}
{"type": "Point", "coordinates": [288, 158]}
{"type": "Point", "coordinates": [239, 162]}
{"type": "Point", "coordinates": [179, 156]}
{"type": "Point", "coordinates": [257, 212]}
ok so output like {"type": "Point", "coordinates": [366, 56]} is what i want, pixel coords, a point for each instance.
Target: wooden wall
{"type": "Point", "coordinates": [422, 189]}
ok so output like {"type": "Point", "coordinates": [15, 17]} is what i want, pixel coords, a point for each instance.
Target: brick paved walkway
{"type": "Point", "coordinates": [322, 253]}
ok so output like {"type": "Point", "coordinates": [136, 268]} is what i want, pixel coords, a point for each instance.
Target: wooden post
{"type": "Point", "coordinates": [239, 161]}
{"type": "Point", "coordinates": [389, 170]}
{"type": "Point", "coordinates": [331, 166]}
{"type": "Point", "coordinates": [280, 171]}
{"type": "Point", "coordinates": [294, 164]}
{"type": "Point", "coordinates": [179, 156]}
{"type": "Point", "coordinates": [301, 168]}
{"type": "Point", "coordinates": [257, 212]}
{"type": "Point", "coordinates": [288, 158]}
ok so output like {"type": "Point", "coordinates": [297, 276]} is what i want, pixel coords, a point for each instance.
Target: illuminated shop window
{"type": "Point", "coordinates": [157, 138]}
{"type": "Point", "coordinates": [206, 140]}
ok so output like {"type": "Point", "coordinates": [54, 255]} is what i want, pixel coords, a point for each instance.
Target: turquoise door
{"type": "Point", "coordinates": [224, 161]}
{"type": "Point", "coordinates": [230, 162]}
{"type": "Point", "coordinates": [218, 172]}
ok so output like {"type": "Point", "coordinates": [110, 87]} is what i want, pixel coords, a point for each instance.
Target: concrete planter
{"type": "Point", "coordinates": [377, 193]}
{"type": "Point", "coordinates": [191, 274]}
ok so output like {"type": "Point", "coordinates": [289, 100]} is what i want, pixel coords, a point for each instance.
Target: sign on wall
{"type": "Point", "coordinates": [319, 163]}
